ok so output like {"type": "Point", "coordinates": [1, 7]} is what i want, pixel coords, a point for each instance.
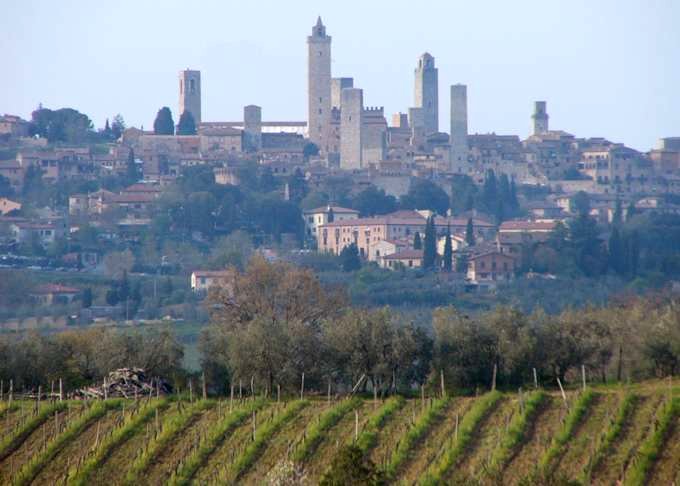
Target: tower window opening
{"type": "Point", "coordinates": [192, 86]}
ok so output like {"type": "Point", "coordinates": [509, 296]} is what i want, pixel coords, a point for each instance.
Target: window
{"type": "Point", "coordinates": [192, 86]}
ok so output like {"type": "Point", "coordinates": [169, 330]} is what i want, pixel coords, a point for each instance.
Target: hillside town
{"type": "Point", "coordinates": [187, 200]}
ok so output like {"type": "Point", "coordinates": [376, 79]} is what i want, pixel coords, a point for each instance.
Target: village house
{"type": "Point", "coordinates": [42, 232]}
{"type": "Point", "coordinates": [54, 294]}
{"type": "Point", "coordinates": [322, 215]}
{"type": "Point", "coordinates": [402, 259]}
{"type": "Point", "coordinates": [491, 266]}
{"type": "Point", "coordinates": [382, 248]}
{"type": "Point", "coordinates": [202, 280]}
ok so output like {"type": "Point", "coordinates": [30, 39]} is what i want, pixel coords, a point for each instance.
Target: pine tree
{"type": "Point", "coordinates": [349, 257]}
{"type": "Point", "coordinates": [417, 242]}
{"type": "Point", "coordinates": [448, 252]}
{"type": "Point", "coordinates": [430, 245]}
{"type": "Point", "coordinates": [164, 124]}
{"type": "Point", "coordinates": [107, 129]}
{"type": "Point", "coordinates": [186, 124]}
{"type": "Point", "coordinates": [470, 233]}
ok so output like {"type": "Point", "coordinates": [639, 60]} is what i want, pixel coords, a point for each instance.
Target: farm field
{"type": "Point", "coordinates": [600, 436]}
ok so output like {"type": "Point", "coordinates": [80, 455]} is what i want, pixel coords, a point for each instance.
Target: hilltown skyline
{"type": "Point", "coordinates": [387, 82]}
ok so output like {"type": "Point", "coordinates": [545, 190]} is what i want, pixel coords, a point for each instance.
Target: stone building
{"type": "Point", "coordinates": [351, 117]}
{"type": "Point", "coordinates": [190, 94]}
{"type": "Point", "coordinates": [426, 92]}
{"type": "Point", "coordinates": [337, 85]}
{"type": "Point", "coordinates": [459, 129]}
{"type": "Point", "coordinates": [539, 118]}
{"type": "Point", "coordinates": [373, 135]}
{"type": "Point", "coordinates": [252, 127]}
{"type": "Point", "coordinates": [319, 85]}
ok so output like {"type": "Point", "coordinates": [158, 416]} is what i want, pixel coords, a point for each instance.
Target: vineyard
{"type": "Point", "coordinates": [595, 436]}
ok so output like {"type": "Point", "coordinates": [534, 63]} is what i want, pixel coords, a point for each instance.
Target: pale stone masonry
{"type": "Point", "coordinates": [459, 129]}
{"type": "Point", "coordinates": [426, 92]}
{"type": "Point", "coordinates": [337, 85]}
{"type": "Point", "coordinates": [190, 94]}
{"type": "Point", "coordinates": [252, 127]}
{"type": "Point", "coordinates": [351, 118]}
{"type": "Point", "coordinates": [319, 86]}
{"type": "Point", "coordinates": [540, 118]}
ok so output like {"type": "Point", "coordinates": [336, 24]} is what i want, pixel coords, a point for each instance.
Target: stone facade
{"type": "Point", "coordinates": [319, 86]}
{"type": "Point", "coordinates": [190, 94]}
{"type": "Point", "coordinates": [373, 136]}
{"type": "Point", "coordinates": [539, 118]}
{"type": "Point", "coordinates": [337, 85]}
{"type": "Point", "coordinates": [351, 114]}
{"type": "Point", "coordinates": [459, 129]}
{"type": "Point", "coordinates": [426, 92]}
{"type": "Point", "coordinates": [252, 127]}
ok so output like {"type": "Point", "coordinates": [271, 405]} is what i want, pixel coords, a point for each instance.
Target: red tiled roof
{"type": "Point", "coordinates": [527, 226]}
{"type": "Point", "coordinates": [51, 288]}
{"type": "Point", "coordinates": [404, 255]}
{"type": "Point", "coordinates": [336, 209]}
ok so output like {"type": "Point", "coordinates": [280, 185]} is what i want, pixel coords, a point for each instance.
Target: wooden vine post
{"type": "Point", "coordinates": [441, 377]}
{"type": "Point", "coordinates": [583, 376]}
{"type": "Point", "coordinates": [564, 395]}
{"type": "Point", "coordinates": [302, 387]}
{"type": "Point", "coordinates": [493, 378]}
{"type": "Point", "coordinates": [535, 379]}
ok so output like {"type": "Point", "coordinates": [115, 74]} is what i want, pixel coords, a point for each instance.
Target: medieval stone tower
{"type": "Point", "coordinates": [351, 124]}
{"type": "Point", "coordinates": [426, 93]}
{"type": "Point", "coordinates": [540, 118]}
{"type": "Point", "coordinates": [459, 128]}
{"type": "Point", "coordinates": [319, 86]}
{"type": "Point", "coordinates": [252, 127]}
{"type": "Point", "coordinates": [190, 94]}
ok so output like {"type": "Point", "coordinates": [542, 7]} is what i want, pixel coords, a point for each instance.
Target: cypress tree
{"type": "Point", "coordinates": [164, 124]}
{"type": "Point", "coordinates": [617, 218]}
{"type": "Point", "coordinates": [430, 244]}
{"type": "Point", "coordinates": [616, 252]}
{"type": "Point", "coordinates": [470, 233]}
{"type": "Point", "coordinates": [417, 242]}
{"type": "Point", "coordinates": [186, 124]}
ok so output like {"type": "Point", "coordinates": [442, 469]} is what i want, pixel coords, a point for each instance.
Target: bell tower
{"type": "Point", "coordinates": [319, 86]}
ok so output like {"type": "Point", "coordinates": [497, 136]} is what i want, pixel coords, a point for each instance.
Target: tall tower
{"type": "Point", "coordinates": [319, 86]}
{"type": "Point", "coordinates": [337, 85]}
{"type": "Point", "coordinates": [252, 127]}
{"type": "Point", "coordinates": [540, 118]}
{"type": "Point", "coordinates": [459, 127]}
{"type": "Point", "coordinates": [190, 94]}
{"type": "Point", "coordinates": [351, 122]}
{"type": "Point", "coordinates": [426, 93]}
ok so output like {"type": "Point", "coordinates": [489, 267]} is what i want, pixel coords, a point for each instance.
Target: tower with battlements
{"type": "Point", "coordinates": [426, 92]}
{"type": "Point", "coordinates": [459, 128]}
{"type": "Point", "coordinates": [190, 94]}
{"type": "Point", "coordinates": [319, 86]}
{"type": "Point", "coordinates": [539, 118]}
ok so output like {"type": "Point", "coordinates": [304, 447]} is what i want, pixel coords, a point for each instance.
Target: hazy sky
{"type": "Point", "coordinates": [606, 68]}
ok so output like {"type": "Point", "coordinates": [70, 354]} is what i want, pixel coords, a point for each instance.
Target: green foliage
{"type": "Point", "coordinates": [216, 436]}
{"type": "Point", "coordinates": [559, 442]}
{"type": "Point", "coordinates": [369, 436]}
{"type": "Point", "coordinates": [425, 194]}
{"type": "Point", "coordinates": [430, 245]}
{"type": "Point", "coordinates": [164, 124]}
{"type": "Point", "coordinates": [448, 253]}
{"type": "Point", "coordinates": [470, 233]}
{"type": "Point", "coordinates": [350, 467]}
{"type": "Point", "coordinates": [467, 427]}
{"type": "Point", "coordinates": [186, 124]}
{"type": "Point", "coordinates": [374, 200]}
{"type": "Point", "coordinates": [131, 427]}
{"type": "Point", "coordinates": [248, 457]}
{"type": "Point", "coordinates": [30, 470]}
{"type": "Point", "coordinates": [414, 435]}
{"type": "Point", "coordinates": [316, 433]}
{"type": "Point", "coordinates": [349, 258]}
{"type": "Point", "coordinates": [417, 242]}
{"type": "Point", "coordinates": [171, 429]}
{"type": "Point", "coordinates": [63, 125]}
{"type": "Point", "coordinates": [12, 442]}
{"type": "Point", "coordinates": [652, 447]}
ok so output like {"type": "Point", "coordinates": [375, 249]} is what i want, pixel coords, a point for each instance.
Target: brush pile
{"type": "Point", "coordinates": [125, 383]}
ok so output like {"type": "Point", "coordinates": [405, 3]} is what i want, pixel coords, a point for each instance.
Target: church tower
{"type": "Point", "coordinates": [319, 86]}
{"type": "Point", "coordinates": [540, 118]}
{"type": "Point", "coordinates": [190, 94]}
{"type": "Point", "coordinates": [426, 93]}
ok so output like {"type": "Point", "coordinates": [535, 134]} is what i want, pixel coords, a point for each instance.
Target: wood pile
{"type": "Point", "coordinates": [125, 383]}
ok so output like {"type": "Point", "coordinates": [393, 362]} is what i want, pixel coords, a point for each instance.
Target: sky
{"type": "Point", "coordinates": [606, 68]}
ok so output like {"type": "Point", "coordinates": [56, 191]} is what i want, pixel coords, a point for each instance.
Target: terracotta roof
{"type": "Point", "coordinates": [51, 288]}
{"type": "Point", "coordinates": [404, 255]}
{"type": "Point", "coordinates": [527, 226]}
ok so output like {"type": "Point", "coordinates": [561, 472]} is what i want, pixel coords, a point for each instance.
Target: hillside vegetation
{"type": "Point", "coordinates": [598, 436]}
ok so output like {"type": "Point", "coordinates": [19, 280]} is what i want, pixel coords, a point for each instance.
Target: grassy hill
{"type": "Point", "coordinates": [600, 436]}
